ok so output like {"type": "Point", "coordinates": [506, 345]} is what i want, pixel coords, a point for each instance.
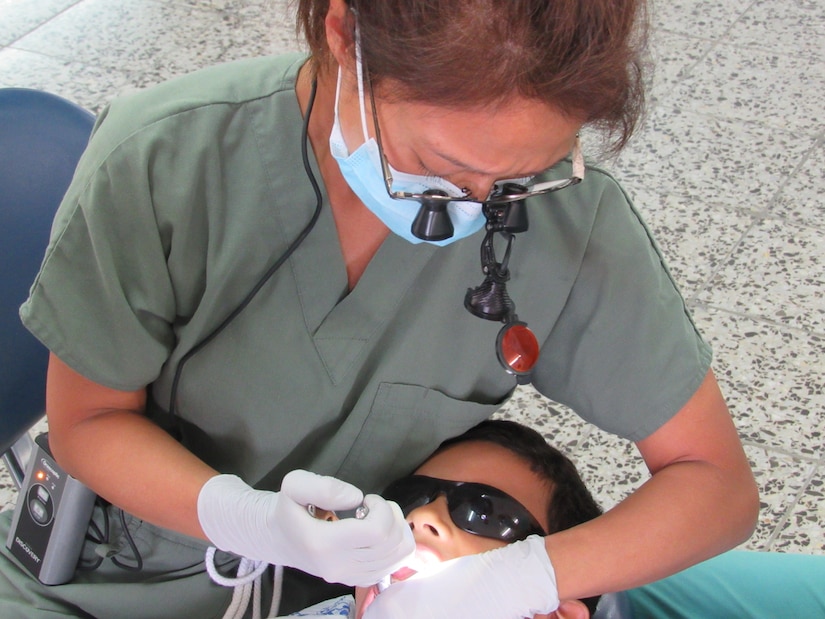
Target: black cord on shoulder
{"type": "Point", "coordinates": [276, 265]}
{"type": "Point", "coordinates": [100, 536]}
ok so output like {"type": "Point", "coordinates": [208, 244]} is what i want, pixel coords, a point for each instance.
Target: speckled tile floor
{"type": "Point", "coordinates": [728, 169]}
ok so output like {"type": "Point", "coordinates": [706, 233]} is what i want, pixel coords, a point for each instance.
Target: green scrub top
{"type": "Point", "coordinates": [191, 190]}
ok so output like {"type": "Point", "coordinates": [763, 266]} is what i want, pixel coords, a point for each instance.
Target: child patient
{"type": "Point", "coordinates": [497, 483]}
{"type": "Point", "coordinates": [500, 482]}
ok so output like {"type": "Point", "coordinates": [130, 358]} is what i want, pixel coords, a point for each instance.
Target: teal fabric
{"type": "Point", "coordinates": [187, 194]}
{"type": "Point", "coordinates": [740, 584]}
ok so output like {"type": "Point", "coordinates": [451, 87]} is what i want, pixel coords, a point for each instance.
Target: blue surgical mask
{"type": "Point", "coordinates": [363, 173]}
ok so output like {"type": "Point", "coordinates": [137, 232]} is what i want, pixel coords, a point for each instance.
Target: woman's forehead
{"type": "Point", "coordinates": [521, 139]}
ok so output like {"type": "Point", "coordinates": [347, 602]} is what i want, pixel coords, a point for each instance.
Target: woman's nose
{"type": "Point", "coordinates": [431, 520]}
{"type": "Point", "coordinates": [478, 189]}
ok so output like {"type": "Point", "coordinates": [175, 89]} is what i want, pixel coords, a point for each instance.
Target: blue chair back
{"type": "Point", "coordinates": [41, 139]}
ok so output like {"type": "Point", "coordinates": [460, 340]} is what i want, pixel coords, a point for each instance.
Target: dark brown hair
{"type": "Point", "coordinates": [582, 57]}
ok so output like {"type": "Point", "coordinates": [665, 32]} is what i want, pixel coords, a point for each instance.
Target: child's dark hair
{"type": "Point", "coordinates": [570, 503]}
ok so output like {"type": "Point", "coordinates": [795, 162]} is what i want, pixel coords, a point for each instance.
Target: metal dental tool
{"type": "Point", "coordinates": [359, 513]}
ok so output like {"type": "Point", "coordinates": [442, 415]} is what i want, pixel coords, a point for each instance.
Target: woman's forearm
{"type": "Point", "coordinates": [102, 438]}
{"type": "Point", "coordinates": [700, 501]}
{"type": "Point", "coordinates": [685, 514]}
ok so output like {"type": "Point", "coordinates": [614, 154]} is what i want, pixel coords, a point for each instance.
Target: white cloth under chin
{"type": "Point", "coordinates": [343, 606]}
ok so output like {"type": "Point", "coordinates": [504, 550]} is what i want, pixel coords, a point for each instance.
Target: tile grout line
{"type": "Point", "coordinates": [695, 304]}
{"type": "Point", "coordinates": [772, 538]}
{"type": "Point", "coordinates": [10, 44]}
{"type": "Point", "coordinates": [815, 460]}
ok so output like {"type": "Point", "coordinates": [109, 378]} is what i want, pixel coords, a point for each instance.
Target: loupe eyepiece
{"type": "Point", "coordinates": [507, 216]}
{"type": "Point", "coordinates": [515, 217]}
{"type": "Point", "coordinates": [433, 221]}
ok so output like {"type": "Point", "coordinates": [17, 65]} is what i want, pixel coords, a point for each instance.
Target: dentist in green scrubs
{"type": "Point", "coordinates": [253, 303]}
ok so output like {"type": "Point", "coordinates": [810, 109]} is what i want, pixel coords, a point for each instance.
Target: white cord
{"type": "Point", "coordinates": [246, 584]}
{"type": "Point", "coordinates": [277, 588]}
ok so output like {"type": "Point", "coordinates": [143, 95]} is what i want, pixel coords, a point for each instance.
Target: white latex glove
{"type": "Point", "coordinates": [275, 527]}
{"type": "Point", "coordinates": [512, 582]}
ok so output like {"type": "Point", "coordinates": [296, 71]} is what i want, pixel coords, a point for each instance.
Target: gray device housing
{"type": "Point", "coordinates": [50, 519]}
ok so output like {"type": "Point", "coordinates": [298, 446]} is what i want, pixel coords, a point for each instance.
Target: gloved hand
{"type": "Point", "coordinates": [515, 581]}
{"type": "Point", "coordinates": [275, 527]}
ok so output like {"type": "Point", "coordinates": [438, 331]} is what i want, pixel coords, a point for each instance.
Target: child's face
{"type": "Point", "coordinates": [434, 531]}
{"type": "Point", "coordinates": [437, 536]}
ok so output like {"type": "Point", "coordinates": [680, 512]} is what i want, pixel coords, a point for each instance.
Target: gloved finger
{"type": "Point", "coordinates": [321, 535]}
{"type": "Point", "coordinates": [304, 488]}
{"type": "Point", "coordinates": [389, 531]}
{"type": "Point", "coordinates": [381, 536]}
{"type": "Point", "coordinates": [387, 514]}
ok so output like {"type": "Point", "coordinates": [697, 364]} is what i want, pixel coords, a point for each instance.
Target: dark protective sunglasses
{"type": "Point", "coordinates": [476, 508]}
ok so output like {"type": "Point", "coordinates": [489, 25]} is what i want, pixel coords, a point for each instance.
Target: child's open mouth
{"type": "Point", "coordinates": [423, 558]}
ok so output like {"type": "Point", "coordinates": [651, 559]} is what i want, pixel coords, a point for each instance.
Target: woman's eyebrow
{"type": "Point", "coordinates": [472, 170]}
{"type": "Point", "coordinates": [459, 164]}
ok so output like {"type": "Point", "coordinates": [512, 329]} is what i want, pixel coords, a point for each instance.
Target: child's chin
{"type": "Point", "coordinates": [364, 596]}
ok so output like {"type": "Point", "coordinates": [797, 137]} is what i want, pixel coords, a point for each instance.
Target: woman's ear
{"type": "Point", "coordinates": [339, 37]}
{"type": "Point", "coordinates": [568, 609]}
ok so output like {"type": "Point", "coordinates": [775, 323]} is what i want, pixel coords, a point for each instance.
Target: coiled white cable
{"type": "Point", "coordinates": [247, 585]}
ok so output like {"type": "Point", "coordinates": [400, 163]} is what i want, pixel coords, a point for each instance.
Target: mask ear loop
{"type": "Point", "coordinates": [577, 159]}
{"type": "Point", "coordinates": [359, 72]}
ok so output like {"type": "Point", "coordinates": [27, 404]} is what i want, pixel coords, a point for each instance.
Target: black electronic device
{"type": "Point", "coordinates": [50, 519]}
